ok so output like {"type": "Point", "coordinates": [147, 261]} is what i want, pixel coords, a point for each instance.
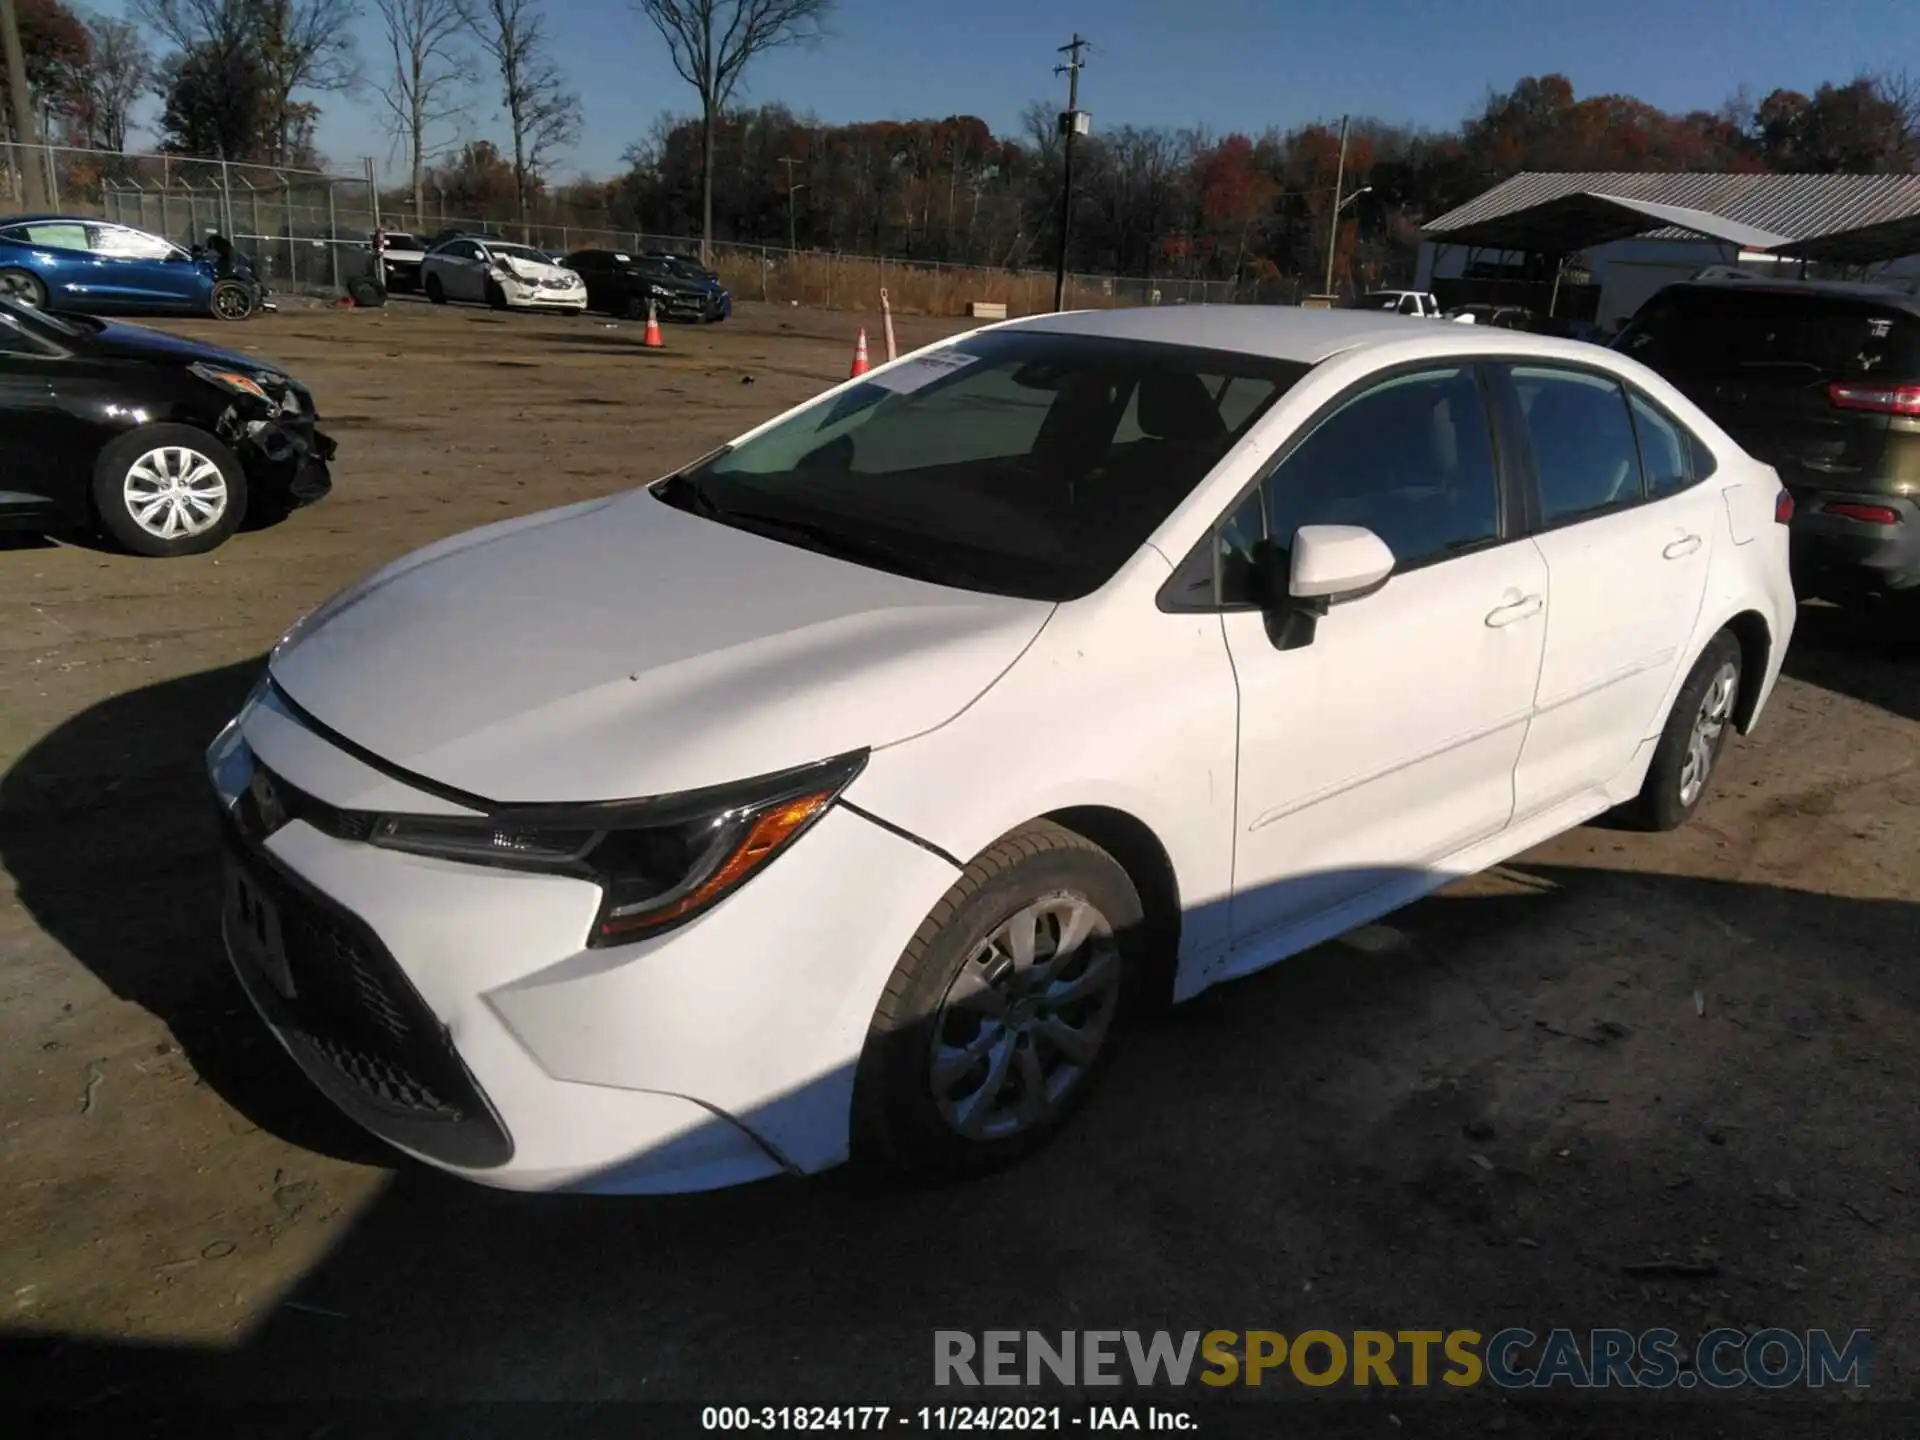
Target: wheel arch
{"type": "Point", "coordinates": [1140, 852]}
{"type": "Point", "coordinates": [1750, 629]}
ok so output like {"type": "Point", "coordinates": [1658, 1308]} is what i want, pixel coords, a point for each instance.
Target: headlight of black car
{"type": "Point", "coordinates": [659, 863]}
{"type": "Point", "coordinates": [263, 386]}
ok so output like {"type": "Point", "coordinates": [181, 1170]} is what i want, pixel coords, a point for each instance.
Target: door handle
{"type": "Point", "coordinates": [1685, 545]}
{"type": "Point", "coordinates": [1519, 610]}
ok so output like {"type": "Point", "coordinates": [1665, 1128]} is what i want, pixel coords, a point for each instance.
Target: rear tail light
{"type": "Point", "coordinates": [1868, 514]}
{"type": "Point", "coordinates": [1783, 507]}
{"type": "Point", "coordinates": [1885, 399]}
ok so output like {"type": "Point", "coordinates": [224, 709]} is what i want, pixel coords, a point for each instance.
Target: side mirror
{"type": "Point", "coordinates": [1329, 565]}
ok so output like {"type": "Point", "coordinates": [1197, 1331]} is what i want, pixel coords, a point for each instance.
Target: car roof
{"type": "Point", "coordinates": [1283, 332]}
{"type": "Point", "coordinates": [43, 219]}
{"type": "Point", "coordinates": [1818, 289]}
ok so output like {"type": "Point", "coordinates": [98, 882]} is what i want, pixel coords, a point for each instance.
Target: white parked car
{"type": "Point", "coordinates": [500, 274]}
{"type": "Point", "coordinates": [847, 790]}
{"type": "Point", "coordinates": [1418, 303]}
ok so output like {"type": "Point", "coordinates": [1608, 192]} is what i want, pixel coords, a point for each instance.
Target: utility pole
{"type": "Point", "coordinates": [790, 162]}
{"type": "Point", "coordinates": [32, 179]}
{"type": "Point", "coordinates": [1333, 226]}
{"type": "Point", "coordinates": [1073, 121]}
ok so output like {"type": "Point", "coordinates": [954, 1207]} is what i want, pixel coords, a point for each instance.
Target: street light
{"type": "Point", "coordinates": [1333, 232]}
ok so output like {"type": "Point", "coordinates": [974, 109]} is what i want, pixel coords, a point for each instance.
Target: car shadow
{"type": "Point", "coordinates": [108, 829]}
{"type": "Point", "coordinates": [1869, 652]}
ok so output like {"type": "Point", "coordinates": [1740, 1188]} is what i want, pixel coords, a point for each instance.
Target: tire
{"type": "Point", "coordinates": [436, 292]}
{"type": "Point", "coordinates": [366, 292]}
{"type": "Point", "coordinates": [1683, 761]}
{"type": "Point", "coordinates": [966, 1114]}
{"type": "Point", "coordinates": [136, 463]}
{"type": "Point", "coordinates": [23, 286]}
{"type": "Point", "coordinates": [231, 300]}
{"type": "Point", "coordinates": [633, 307]}
{"type": "Point", "coordinates": [496, 297]}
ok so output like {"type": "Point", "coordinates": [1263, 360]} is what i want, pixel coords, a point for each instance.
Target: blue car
{"type": "Point", "coordinates": [95, 267]}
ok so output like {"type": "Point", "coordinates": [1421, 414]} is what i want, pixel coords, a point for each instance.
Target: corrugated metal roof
{"type": "Point", "coordinates": [1796, 206]}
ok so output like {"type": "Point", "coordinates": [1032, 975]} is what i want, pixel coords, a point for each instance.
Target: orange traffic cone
{"type": "Point", "coordinates": [651, 340]}
{"type": "Point", "coordinates": [860, 366]}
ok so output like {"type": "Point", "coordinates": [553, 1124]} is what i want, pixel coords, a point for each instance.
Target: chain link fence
{"type": "Point", "coordinates": [310, 231]}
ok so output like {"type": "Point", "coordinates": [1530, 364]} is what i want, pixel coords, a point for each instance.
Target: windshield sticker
{"type": "Point", "coordinates": [918, 374]}
{"type": "Point", "coordinates": [1879, 328]}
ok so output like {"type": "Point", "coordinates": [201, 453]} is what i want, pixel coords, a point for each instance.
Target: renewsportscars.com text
{"type": "Point", "coordinates": [1513, 1358]}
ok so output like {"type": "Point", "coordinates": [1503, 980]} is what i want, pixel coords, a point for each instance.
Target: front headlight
{"type": "Point", "coordinates": [236, 381]}
{"type": "Point", "coordinates": [659, 862]}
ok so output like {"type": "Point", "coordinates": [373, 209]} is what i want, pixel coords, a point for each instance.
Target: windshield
{"type": "Point", "coordinates": [1026, 464]}
{"type": "Point", "coordinates": [1379, 300]}
{"type": "Point", "coordinates": [519, 252]}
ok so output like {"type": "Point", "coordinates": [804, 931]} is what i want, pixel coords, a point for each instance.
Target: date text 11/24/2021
{"type": "Point", "coordinates": [936, 1419]}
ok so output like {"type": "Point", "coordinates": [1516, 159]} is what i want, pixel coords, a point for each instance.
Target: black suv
{"type": "Point", "coordinates": [1822, 382]}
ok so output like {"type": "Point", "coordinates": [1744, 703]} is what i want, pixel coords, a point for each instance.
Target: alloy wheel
{"type": "Point", "coordinates": [1024, 1020]}
{"type": "Point", "coordinates": [21, 288]}
{"type": "Point", "coordinates": [1709, 722]}
{"type": "Point", "coordinates": [175, 492]}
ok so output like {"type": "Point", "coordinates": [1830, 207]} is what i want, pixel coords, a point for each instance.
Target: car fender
{"type": "Point", "coordinates": [1115, 705]}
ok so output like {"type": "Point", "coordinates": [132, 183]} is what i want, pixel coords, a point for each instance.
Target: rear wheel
{"type": "Point", "coordinates": [166, 490]}
{"type": "Point", "coordinates": [23, 287]}
{"type": "Point", "coordinates": [1002, 1012]}
{"type": "Point", "coordinates": [1690, 746]}
{"type": "Point", "coordinates": [436, 292]}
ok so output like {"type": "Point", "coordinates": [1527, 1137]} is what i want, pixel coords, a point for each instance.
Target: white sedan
{"type": "Point", "coordinates": [503, 275]}
{"type": "Point", "coordinates": [846, 791]}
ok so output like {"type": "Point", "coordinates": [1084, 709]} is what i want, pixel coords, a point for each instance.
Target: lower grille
{"type": "Point", "coordinates": [358, 1027]}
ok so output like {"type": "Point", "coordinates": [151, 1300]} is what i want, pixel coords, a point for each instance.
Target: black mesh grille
{"type": "Point", "coordinates": [359, 1028]}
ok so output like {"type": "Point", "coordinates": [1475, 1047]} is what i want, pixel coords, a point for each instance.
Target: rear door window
{"type": "Point", "coordinates": [1584, 451]}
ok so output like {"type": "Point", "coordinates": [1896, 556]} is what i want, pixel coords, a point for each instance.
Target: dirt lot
{"type": "Point", "coordinates": [1474, 1117]}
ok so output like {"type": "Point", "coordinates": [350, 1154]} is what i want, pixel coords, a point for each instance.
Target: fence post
{"type": "Point", "coordinates": [373, 192]}
{"type": "Point", "coordinates": [226, 200]}
{"type": "Point", "coordinates": [333, 235]}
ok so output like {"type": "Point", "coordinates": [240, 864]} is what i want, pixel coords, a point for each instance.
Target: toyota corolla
{"type": "Point", "coordinates": [848, 791]}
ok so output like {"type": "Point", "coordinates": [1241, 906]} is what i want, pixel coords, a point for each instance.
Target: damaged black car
{"type": "Point", "coordinates": [163, 444]}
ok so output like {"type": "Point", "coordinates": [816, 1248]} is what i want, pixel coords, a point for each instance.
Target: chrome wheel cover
{"type": "Point", "coordinates": [175, 492]}
{"type": "Point", "coordinates": [1709, 723]}
{"type": "Point", "coordinates": [1024, 1020]}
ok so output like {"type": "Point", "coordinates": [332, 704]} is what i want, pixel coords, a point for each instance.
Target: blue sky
{"type": "Point", "coordinates": [1227, 64]}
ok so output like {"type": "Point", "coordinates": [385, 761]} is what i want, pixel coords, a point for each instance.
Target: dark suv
{"type": "Point", "coordinates": [1822, 382]}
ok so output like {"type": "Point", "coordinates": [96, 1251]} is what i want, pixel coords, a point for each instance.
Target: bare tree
{"type": "Point", "coordinates": [711, 42]}
{"type": "Point", "coordinates": [297, 45]}
{"type": "Point", "coordinates": [542, 113]}
{"type": "Point", "coordinates": [429, 69]}
{"type": "Point", "coordinates": [117, 76]}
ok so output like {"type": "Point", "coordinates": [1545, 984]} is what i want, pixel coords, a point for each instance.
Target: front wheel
{"type": "Point", "coordinates": [1003, 1010]}
{"type": "Point", "coordinates": [496, 297]}
{"type": "Point", "coordinates": [232, 300]}
{"type": "Point", "coordinates": [166, 490]}
{"type": "Point", "coordinates": [1690, 746]}
{"type": "Point", "coordinates": [436, 292]}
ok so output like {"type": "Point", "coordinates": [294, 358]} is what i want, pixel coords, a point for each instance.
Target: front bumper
{"type": "Point", "coordinates": [532, 297]}
{"type": "Point", "coordinates": [454, 1010]}
{"type": "Point", "coordinates": [290, 458]}
{"type": "Point", "coordinates": [1837, 555]}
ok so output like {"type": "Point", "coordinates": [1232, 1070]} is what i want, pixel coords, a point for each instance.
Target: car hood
{"type": "Point", "coordinates": [136, 342]}
{"type": "Point", "coordinates": [535, 270]}
{"type": "Point", "coordinates": [622, 648]}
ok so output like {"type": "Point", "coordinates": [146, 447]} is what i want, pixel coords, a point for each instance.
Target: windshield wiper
{"type": "Point", "coordinates": [865, 549]}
